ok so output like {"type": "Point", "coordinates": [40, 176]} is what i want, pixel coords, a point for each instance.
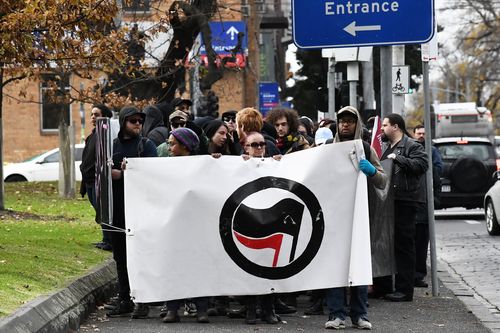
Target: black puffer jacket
{"type": "Point", "coordinates": [410, 165]}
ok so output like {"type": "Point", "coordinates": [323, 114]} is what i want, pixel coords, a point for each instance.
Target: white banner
{"type": "Point", "coordinates": [199, 226]}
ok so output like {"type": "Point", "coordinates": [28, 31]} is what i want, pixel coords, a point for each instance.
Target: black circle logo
{"type": "Point", "coordinates": [264, 228]}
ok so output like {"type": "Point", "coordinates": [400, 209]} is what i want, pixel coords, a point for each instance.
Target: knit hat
{"type": "Point", "coordinates": [322, 135]}
{"type": "Point", "coordinates": [211, 127]}
{"type": "Point", "coordinates": [186, 137]}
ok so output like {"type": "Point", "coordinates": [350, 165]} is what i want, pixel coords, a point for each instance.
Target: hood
{"type": "Point", "coordinates": [154, 118]}
{"type": "Point", "coordinates": [358, 133]}
{"type": "Point", "coordinates": [128, 111]}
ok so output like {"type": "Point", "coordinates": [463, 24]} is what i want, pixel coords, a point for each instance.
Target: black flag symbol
{"type": "Point", "coordinates": [262, 228]}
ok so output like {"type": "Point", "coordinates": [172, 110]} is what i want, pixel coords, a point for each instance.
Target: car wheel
{"type": "Point", "coordinates": [469, 175]}
{"type": "Point", "coordinates": [491, 219]}
{"type": "Point", "coordinates": [15, 178]}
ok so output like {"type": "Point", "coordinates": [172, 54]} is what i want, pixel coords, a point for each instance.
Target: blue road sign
{"type": "Point", "coordinates": [344, 23]}
{"type": "Point", "coordinates": [269, 97]}
{"type": "Point", "coordinates": [225, 36]}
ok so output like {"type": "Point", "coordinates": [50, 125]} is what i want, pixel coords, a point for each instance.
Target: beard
{"type": "Point", "coordinates": [346, 137]}
{"type": "Point", "coordinates": [384, 138]}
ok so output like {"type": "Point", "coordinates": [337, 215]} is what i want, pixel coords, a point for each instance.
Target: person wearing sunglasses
{"type": "Point", "coordinates": [229, 118]}
{"type": "Point", "coordinates": [255, 146]}
{"type": "Point", "coordinates": [130, 143]}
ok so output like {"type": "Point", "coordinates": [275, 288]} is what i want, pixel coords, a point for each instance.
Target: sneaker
{"type": "Point", "coordinates": [362, 324]}
{"type": "Point", "coordinates": [141, 311]}
{"type": "Point", "coordinates": [335, 324]}
{"type": "Point", "coordinates": [163, 310]}
{"type": "Point", "coordinates": [122, 309]}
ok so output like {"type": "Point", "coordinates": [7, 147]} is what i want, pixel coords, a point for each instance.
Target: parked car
{"type": "Point", "coordinates": [492, 207]}
{"type": "Point", "coordinates": [44, 167]}
{"type": "Point", "coordinates": [468, 166]}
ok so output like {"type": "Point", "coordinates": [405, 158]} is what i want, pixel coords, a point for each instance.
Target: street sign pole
{"type": "Point", "coordinates": [429, 181]}
{"type": "Point", "coordinates": [385, 81]}
{"type": "Point", "coordinates": [331, 88]}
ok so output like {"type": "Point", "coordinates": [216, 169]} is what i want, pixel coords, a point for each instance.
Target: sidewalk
{"type": "Point", "coordinates": [446, 313]}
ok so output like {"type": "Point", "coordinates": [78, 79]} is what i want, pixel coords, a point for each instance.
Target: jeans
{"type": "Point", "coordinates": [404, 245]}
{"type": "Point", "coordinates": [91, 194]}
{"type": "Point", "coordinates": [336, 302]}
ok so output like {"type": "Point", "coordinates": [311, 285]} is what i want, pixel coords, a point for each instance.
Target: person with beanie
{"type": "Point", "coordinates": [216, 132]}
{"type": "Point", "coordinates": [88, 171]}
{"type": "Point", "coordinates": [129, 143]}
{"type": "Point", "coordinates": [182, 142]}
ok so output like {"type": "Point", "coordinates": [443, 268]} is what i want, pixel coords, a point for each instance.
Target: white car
{"type": "Point", "coordinates": [44, 167]}
{"type": "Point", "coordinates": [492, 207]}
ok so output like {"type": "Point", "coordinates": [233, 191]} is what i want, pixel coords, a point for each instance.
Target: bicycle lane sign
{"type": "Point", "coordinates": [400, 79]}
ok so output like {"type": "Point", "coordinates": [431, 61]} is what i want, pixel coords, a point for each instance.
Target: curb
{"type": "Point", "coordinates": [64, 310]}
{"type": "Point", "coordinates": [486, 313]}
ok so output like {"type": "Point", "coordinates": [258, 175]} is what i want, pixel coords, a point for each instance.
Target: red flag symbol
{"type": "Point", "coordinates": [271, 242]}
{"type": "Point", "coordinates": [377, 136]}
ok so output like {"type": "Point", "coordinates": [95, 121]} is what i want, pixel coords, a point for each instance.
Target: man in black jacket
{"type": "Point", "coordinates": [409, 165]}
{"type": "Point", "coordinates": [87, 169]}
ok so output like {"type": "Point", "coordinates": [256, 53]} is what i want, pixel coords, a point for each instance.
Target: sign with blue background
{"type": "Point", "coordinates": [225, 37]}
{"type": "Point", "coordinates": [269, 97]}
{"type": "Point", "coordinates": [345, 23]}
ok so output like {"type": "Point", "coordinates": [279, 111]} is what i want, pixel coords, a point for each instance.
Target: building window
{"type": "Point", "coordinates": [55, 106]}
{"type": "Point", "coordinates": [136, 5]}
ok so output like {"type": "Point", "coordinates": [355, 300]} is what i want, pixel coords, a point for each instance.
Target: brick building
{"type": "Point", "coordinates": [30, 121]}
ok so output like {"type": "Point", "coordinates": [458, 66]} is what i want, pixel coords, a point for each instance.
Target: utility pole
{"type": "Point", "coordinates": [251, 77]}
{"type": "Point", "coordinates": [398, 100]}
{"type": "Point", "coordinates": [385, 81]}
{"type": "Point", "coordinates": [368, 90]}
{"type": "Point", "coordinates": [331, 88]}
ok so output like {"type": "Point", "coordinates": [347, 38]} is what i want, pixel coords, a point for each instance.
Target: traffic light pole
{"type": "Point", "coordinates": [331, 88]}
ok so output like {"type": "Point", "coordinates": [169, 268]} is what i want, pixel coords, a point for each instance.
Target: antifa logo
{"type": "Point", "coordinates": [293, 237]}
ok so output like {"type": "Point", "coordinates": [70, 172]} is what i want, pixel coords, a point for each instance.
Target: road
{"type": "Point", "coordinates": [465, 250]}
{"type": "Point", "coordinates": [473, 257]}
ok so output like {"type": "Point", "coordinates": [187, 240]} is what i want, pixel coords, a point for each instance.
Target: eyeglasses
{"type": "Point", "coordinates": [256, 145]}
{"type": "Point", "coordinates": [229, 118]}
{"type": "Point", "coordinates": [135, 121]}
{"type": "Point", "coordinates": [348, 121]}
{"type": "Point", "coordinates": [178, 124]}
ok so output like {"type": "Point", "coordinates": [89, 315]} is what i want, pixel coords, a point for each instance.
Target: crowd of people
{"type": "Point", "coordinates": [155, 132]}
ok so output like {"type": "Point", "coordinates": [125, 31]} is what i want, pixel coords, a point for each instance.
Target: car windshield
{"type": "Point", "coordinates": [453, 150]}
{"type": "Point", "coordinates": [32, 158]}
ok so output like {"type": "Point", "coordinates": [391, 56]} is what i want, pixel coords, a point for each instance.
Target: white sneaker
{"type": "Point", "coordinates": [335, 324]}
{"type": "Point", "coordinates": [362, 324]}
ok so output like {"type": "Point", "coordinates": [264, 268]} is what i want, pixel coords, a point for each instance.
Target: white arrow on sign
{"type": "Point", "coordinates": [233, 31]}
{"type": "Point", "coordinates": [352, 28]}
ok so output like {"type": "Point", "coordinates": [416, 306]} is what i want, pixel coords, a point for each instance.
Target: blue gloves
{"type": "Point", "coordinates": [367, 168]}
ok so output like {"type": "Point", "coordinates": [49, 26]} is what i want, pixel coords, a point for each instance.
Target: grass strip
{"type": "Point", "coordinates": [45, 242]}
